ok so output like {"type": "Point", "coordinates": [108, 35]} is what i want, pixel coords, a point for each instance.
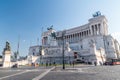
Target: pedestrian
{"type": "Point", "coordinates": [42, 63]}
{"type": "Point", "coordinates": [70, 63]}
{"type": "Point", "coordinates": [100, 63]}
{"type": "Point", "coordinates": [95, 63]}
{"type": "Point", "coordinates": [73, 64]}
{"type": "Point", "coordinates": [46, 64]}
{"type": "Point", "coordinates": [50, 64]}
{"type": "Point", "coordinates": [54, 64]}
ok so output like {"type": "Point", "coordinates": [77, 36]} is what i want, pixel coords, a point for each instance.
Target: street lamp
{"type": "Point", "coordinates": [63, 35]}
{"type": "Point", "coordinates": [40, 53]}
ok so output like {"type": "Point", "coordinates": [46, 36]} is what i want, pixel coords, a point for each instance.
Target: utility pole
{"type": "Point", "coordinates": [63, 35]}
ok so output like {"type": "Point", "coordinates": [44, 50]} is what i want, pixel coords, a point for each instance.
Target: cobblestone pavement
{"type": "Point", "coordinates": [85, 73]}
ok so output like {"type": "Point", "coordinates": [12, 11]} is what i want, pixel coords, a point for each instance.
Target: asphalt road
{"type": "Point", "coordinates": [85, 73]}
{"type": "Point", "coordinates": [23, 73]}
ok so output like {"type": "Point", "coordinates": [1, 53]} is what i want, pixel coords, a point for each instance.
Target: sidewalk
{"type": "Point", "coordinates": [68, 68]}
{"type": "Point", "coordinates": [71, 68]}
{"type": "Point", "coordinates": [69, 73]}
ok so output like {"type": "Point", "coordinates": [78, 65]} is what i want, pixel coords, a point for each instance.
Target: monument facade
{"type": "Point", "coordinates": [90, 42]}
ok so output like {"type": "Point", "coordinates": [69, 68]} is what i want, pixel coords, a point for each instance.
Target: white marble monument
{"type": "Point", "coordinates": [7, 56]}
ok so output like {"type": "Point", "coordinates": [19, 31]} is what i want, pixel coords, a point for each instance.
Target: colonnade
{"type": "Point", "coordinates": [96, 29]}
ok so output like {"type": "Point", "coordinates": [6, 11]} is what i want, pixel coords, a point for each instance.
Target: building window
{"type": "Point", "coordinates": [98, 24]}
{"type": "Point", "coordinates": [81, 47]}
{"type": "Point", "coordinates": [93, 29]}
{"type": "Point", "coordinates": [87, 32]}
{"type": "Point", "coordinates": [33, 53]}
{"type": "Point", "coordinates": [108, 43]}
{"type": "Point", "coordinates": [82, 34]}
{"type": "Point", "coordinates": [75, 55]}
{"type": "Point", "coordinates": [96, 27]}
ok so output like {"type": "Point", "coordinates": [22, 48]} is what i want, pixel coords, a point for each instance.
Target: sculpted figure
{"type": "Point", "coordinates": [7, 46]}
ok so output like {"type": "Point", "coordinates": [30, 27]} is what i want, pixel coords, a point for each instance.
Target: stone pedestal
{"type": "Point", "coordinates": [7, 59]}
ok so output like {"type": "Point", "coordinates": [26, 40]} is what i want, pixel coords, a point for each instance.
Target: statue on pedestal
{"type": "Point", "coordinates": [7, 46]}
{"type": "Point", "coordinates": [7, 55]}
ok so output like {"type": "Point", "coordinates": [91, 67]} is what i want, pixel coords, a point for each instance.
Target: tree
{"type": "Point", "coordinates": [16, 55]}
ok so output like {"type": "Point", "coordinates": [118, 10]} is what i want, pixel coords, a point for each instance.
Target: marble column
{"type": "Point", "coordinates": [91, 30]}
{"type": "Point", "coordinates": [94, 30]}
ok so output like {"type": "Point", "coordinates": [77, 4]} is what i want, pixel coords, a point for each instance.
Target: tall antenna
{"type": "Point", "coordinates": [18, 45]}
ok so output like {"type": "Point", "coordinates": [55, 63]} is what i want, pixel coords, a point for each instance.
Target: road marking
{"type": "Point", "coordinates": [14, 74]}
{"type": "Point", "coordinates": [9, 70]}
{"type": "Point", "coordinates": [43, 74]}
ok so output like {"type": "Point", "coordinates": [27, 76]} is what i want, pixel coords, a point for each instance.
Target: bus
{"type": "Point", "coordinates": [113, 62]}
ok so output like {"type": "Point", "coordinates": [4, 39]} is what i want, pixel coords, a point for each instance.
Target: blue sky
{"type": "Point", "coordinates": [25, 18]}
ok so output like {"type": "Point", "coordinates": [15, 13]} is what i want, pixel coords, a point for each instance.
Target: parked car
{"type": "Point", "coordinates": [108, 63]}
{"type": "Point", "coordinates": [15, 66]}
{"type": "Point", "coordinates": [79, 61]}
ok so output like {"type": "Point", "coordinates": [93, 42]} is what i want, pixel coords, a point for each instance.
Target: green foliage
{"type": "Point", "coordinates": [15, 55]}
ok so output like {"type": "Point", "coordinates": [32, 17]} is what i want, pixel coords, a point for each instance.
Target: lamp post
{"type": "Point", "coordinates": [40, 53]}
{"type": "Point", "coordinates": [63, 35]}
